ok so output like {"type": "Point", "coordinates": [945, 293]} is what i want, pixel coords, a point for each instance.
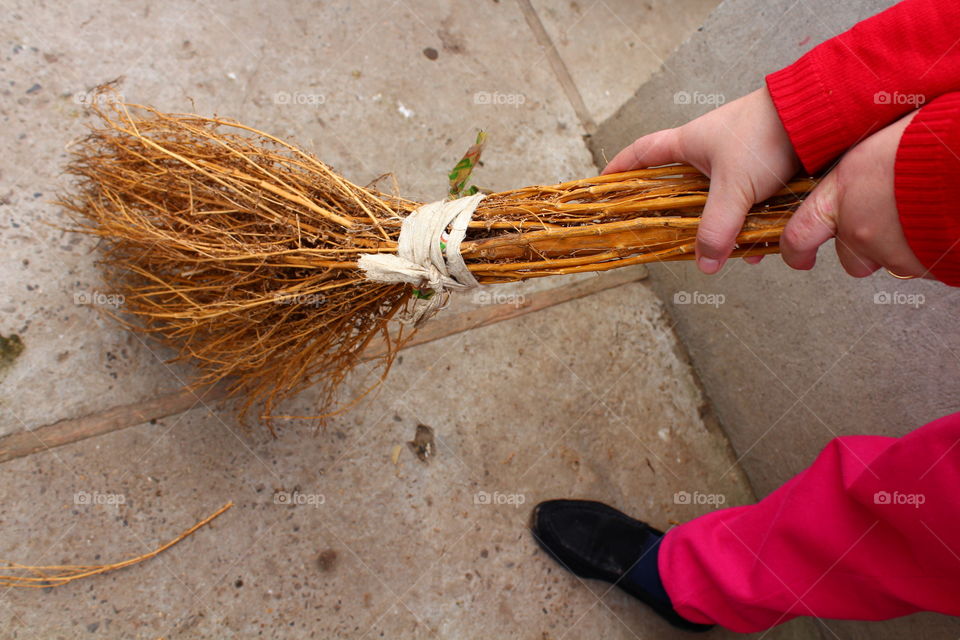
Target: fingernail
{"type": "Point", "coordinates": [708, 265]}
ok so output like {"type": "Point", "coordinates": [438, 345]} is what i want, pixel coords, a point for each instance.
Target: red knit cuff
{"type": "Point", "coordinates": [926, 174]}
{"type": "Point", "coordinates": [808, 112]}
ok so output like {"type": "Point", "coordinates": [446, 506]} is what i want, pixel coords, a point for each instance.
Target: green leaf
{"type": "Point", "coordinates": [461, 171]}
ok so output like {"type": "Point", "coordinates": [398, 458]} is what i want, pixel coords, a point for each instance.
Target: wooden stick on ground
{"type": "Point", "coordinates": [63, 432]}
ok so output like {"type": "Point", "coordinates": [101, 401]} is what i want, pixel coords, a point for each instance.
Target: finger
{"type": "Point", "coordinates": [856, 265]}
{"type": "Point", "coordinates": [723, 215]}
{"type": "Point", "coordinates": [814, 223]}
{"type": "Point", "coordinates": [662, 147]}
{"type": "Point", "coordinates": [753, 259]}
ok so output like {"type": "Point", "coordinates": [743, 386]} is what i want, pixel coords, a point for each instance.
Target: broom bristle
{"type": "Point", "coordinates": [240, 250]}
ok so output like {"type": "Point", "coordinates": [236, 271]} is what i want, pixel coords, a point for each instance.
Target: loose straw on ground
{"type": "Point", "coordinates": [44, 577]}
{"type": "Point", "coordinates": [241, 250]}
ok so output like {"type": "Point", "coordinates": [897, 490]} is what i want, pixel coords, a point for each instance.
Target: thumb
{"type": "Point", "coordinates": [723, 215]}
{"type": "Point", "coordinates": [662, 147]}
{"type": "Point", "coordinates": [814, 223]}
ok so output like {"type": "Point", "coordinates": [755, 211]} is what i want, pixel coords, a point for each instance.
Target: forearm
{"type": "Point", "coordinates": [866, 78]}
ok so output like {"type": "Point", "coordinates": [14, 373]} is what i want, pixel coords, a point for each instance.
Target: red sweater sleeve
{"type": "Point", "coordinates": [926, 173]}
{"type": "Point", "coordinates": [862, 80]}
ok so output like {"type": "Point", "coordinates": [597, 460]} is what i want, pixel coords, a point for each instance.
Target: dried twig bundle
{"type": "Point", "coordinates": [241, 250]}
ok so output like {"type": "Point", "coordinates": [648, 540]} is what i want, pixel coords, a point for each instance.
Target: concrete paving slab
{"type": "Point", "coordinates": [331, 538]}
{"type": "Point", "coordinates": [612, 47]}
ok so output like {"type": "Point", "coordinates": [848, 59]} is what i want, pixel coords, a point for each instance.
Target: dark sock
{"type": "Point", "coordinates": [646, 575]}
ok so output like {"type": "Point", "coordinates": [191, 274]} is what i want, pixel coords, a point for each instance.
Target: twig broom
{"type": "Point", "coordinates": [242, 251]}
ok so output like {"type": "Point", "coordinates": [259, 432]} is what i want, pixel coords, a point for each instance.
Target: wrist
{"type": "Point", "coordinates": [775, 134]}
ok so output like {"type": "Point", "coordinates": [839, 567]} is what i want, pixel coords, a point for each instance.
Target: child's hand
{"type": "Point", "coordinates": [855, 202]}
{"type": "Point", "coordinates": [744, 149]}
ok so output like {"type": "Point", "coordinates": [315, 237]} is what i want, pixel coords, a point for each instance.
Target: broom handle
{"type": "Point", "coordinates": [644, 239]}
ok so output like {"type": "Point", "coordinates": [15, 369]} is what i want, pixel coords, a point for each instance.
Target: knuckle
{"type": "Point", "coordinates": [715, 240]}
{"type": "Point", "coordinates": [814, 217]}
{"type": "Point", "coordinates": [862, 235]}
{"type": "Point", "coordinates": [666, 138]}
{"type": "Point", "coordinates": [679, 133]}
{"type": "Point", "coordinates": [821, 211]}
{"type": "Point", "coordinates": [791, 235]}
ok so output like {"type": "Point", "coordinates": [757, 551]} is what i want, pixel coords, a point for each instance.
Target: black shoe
{"type": "Point", "coordinates": [598, 542]}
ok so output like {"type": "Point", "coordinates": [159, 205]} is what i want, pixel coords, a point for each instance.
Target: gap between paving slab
{"type": "Point", "coordinates": [62, 432]}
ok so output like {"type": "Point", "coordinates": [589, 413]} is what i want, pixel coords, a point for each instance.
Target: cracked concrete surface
{"type": "Point", "coordinates": [593, 398]}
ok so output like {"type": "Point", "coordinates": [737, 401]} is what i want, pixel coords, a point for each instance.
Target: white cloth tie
{"type": "Point", "coordinates": [422, 261]}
